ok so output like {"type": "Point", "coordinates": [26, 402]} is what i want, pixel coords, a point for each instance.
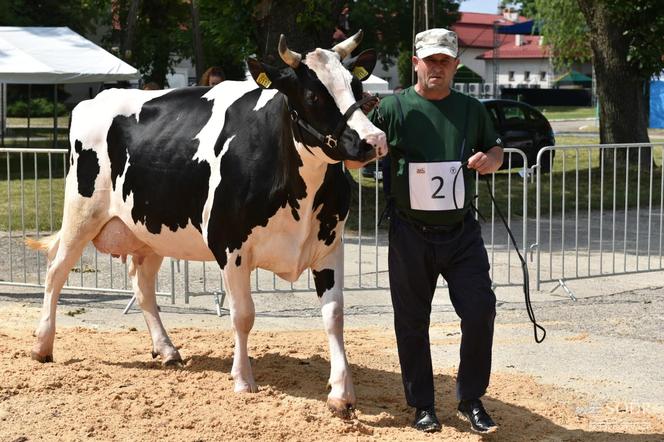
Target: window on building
{"type": "Point", "coordinates": [543, 76]}
{"type": "Point", "coordinates": [526, 76]}
{"type": "Point", "coordinates": [510, 76]}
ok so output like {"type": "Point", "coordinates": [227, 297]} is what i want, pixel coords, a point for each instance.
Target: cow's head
{"type": "Point", "coordinates": [322, 97]}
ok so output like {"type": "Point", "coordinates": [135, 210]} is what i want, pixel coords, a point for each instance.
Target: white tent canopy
{"type": "Point", "coordinates": [376, 85]}
{"type": "Point", "coordinates": [46, 55]}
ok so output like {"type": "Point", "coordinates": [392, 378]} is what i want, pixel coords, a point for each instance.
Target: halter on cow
{"type": "Point", "coordinates": [249, 177]}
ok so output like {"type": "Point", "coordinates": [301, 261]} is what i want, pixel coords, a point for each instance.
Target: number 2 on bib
{"type": "Point", "coordinates": [432, 186]}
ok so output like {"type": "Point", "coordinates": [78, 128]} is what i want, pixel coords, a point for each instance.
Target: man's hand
{"type": "Point", "coordinates": [488, 162]}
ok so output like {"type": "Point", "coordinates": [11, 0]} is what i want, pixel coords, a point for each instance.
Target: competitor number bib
{"type": "Point", "coordinates": [431, 186]}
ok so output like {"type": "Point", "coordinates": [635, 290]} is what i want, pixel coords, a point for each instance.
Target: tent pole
{"type": "Point", "coordinates": [3, 112]}
{"type": "Point", "coordinates": [29, 109]}
{"type": "Point", "coordinates": [55, 116]}
{"type": "Point", "coordinates": [412, 71]}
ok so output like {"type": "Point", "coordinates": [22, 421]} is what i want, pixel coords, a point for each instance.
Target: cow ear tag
{"type": "Point", "coordinates": [263, 80]}
{"type": "Point", "coordinates": [360, 73]}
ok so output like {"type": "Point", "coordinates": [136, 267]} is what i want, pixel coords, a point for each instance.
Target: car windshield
{"type": "Point", "coordinates": [513, 113]}
{"type": "Point", "coordinates": [535, 116]}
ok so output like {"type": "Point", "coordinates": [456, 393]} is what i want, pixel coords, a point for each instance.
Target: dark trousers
{"type": "Point", "coordinates": [416, 259]}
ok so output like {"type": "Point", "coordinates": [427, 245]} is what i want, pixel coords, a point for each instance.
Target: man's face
{"type": "Point", "coordinates": [435, 72]}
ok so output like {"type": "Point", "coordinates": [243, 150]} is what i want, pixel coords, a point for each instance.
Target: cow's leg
{"type": "Point", "coordinates": [144, 279]}
{"type": "Point", "coordinates": [328, 278]}
{"type": "Point", "coordinates": [71, 241]}
{"type": "Point", "coordinates": [242, 311]}
{"type": "Point", "coordinates": [56, 276]}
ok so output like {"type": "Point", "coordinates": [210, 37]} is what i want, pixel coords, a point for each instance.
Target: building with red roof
{"type": "Point", "coordinates": [518, 60]}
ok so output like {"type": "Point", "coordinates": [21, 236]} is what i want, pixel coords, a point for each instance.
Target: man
{"type": "Point", "coordinates": [432, 132]}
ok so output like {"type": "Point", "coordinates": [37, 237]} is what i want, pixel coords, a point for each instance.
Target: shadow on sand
{"type": "Point", "coordinates": [381, 400]}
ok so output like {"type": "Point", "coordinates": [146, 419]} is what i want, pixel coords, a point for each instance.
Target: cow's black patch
{"type": "Point", "coordinates": [169, 187]}
{"type": "Point", "coordinates": [334, 195]}
{"type": "Point", "coordinates": [324, 281]}
{"type": "Point", "coordinates": [259, 173]}
{"type": "Point", "coordinates": [238, 261]}
{"type": "Point", "coordinates": [87, 169]}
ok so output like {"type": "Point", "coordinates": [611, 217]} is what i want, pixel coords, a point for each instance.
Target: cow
{"type": "Point", "coordinates": [247, 174]}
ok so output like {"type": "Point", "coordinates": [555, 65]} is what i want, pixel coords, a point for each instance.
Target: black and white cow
{"type": "Point", "coordinates": [247, 175]}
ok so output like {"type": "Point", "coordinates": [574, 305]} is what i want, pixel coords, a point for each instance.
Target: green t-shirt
{"type": "Point", "coordinates": [432, 130]}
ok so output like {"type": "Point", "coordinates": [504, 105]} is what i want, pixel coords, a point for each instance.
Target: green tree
{"type": "Point", "coordinates": [153, 40]}
{"type": "Point", "coordinates": [233, 30]}
{"type": "Point", "coordinates": [388, 26]}
{"type": "Point", "coordinates": [79, 15]}
{"type": "Point", "coordinates": [564, 29]}
{"type": "Point", "coordinates": [624, 38]}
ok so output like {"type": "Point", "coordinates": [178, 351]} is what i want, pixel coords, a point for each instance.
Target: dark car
{"type": "Point", "coordinates": [522, 127]}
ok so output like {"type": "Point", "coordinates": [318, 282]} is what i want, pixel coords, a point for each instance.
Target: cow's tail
{"type": "Point", "coordinates": [47, 244]}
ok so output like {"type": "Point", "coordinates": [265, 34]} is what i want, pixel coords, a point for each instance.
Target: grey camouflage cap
{"type": "Point", "coordinates": [436, 41]}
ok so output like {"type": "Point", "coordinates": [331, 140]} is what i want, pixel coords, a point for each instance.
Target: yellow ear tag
{"type": "Point", "coordinates": [263, 80]}
{"type": "Point", "coordinates": [360, 72]}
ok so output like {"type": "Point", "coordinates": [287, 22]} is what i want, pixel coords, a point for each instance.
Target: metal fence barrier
{"type": "Point", "coordinates": [599, 213]}
{"type": "Point", "coordinates": [33, 195]}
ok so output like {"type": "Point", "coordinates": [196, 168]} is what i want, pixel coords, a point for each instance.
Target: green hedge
{"type": "Point", "coordinates": [39, 107]}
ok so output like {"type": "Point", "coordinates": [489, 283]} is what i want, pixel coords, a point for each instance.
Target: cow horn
{"type": "Point", "coordinates": [348, 45]}
{"type": "Point", "coordinates": [291, 58]}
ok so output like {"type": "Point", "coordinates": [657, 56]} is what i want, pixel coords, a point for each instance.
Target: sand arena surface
{"type": "Point", "coordinates": [105, 386]}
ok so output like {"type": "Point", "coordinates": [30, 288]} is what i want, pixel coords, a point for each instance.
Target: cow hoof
{"type": "Point", "coordinates": [246, 388]}
{"type": "Point", "coordinates": [341, 408]}
{"type": "Point", "coordinates": [39, 358]}
{"type": "Point", "coordinates": [173, 362]}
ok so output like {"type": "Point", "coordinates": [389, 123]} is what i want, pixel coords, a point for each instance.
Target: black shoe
{"type": "Point", "coordinates": [473, 411]}
{"type": "Point", "coordinates": [426, 420]}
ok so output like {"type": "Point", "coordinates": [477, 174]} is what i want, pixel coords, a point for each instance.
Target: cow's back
{"type": "Point", "coordinates": [142, 144]}
{"type": "Point", "coordinates": [153, 152]}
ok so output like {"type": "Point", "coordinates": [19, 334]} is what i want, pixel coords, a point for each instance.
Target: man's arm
{"type": "Point", "coordinates": [487, 162]}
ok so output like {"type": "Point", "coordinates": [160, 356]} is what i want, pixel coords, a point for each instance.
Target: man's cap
{"type": "Point", "coordinates": [436, 41]}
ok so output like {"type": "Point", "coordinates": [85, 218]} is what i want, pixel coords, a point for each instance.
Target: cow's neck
{"type": "Point", "coordinates": [313, 163]}
{"type": "Point", "coordinates": [313, 167]}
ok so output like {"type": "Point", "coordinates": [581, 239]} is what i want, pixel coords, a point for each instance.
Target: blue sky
{"type": "Point", "coordinates": [487, 6]}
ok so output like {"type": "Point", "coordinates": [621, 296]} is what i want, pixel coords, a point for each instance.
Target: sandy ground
{"type": "Point", "coordinates": [105, 386]}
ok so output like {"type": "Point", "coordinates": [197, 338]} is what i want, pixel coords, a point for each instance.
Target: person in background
{"type": "Point", "coordinates": [342, 28]}
{"type": "Point", "coordinates": [151, 86]}
{"type": "Point", "coordinates": [212, 76]}
{"type": "Point", "coordinates": [338, 36]}
{"type": "Point", "coordinates": [434, 133]}
{"type": "Point", "coordinates": [343, 21]}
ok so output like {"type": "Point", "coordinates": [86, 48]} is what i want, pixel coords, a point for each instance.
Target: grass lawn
{"type": "Point", "coordinates": [567, 112]}
{"type": "Point", "coordinates": [575, 179]}
{"type": "Point", "coordinates": [44, 122]}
